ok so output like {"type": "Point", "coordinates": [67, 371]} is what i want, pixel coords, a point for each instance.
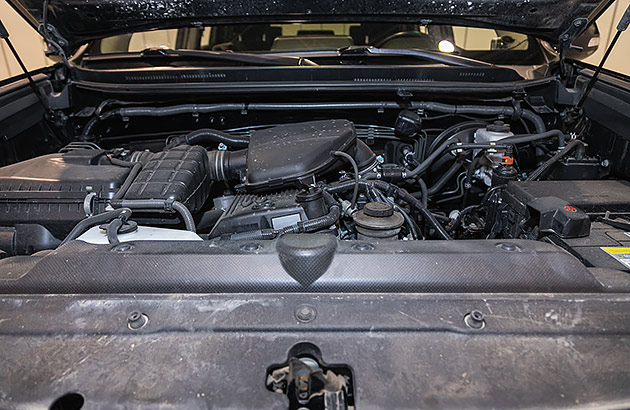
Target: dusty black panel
{"type": "Point", "coordinates": [405, 351]}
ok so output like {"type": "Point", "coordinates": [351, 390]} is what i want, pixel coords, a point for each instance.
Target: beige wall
{"type": "Point", "coordinates": [30, 46]}
{"type": "Point", "coordinates": [25, 39]}
{"type": "Point", "coordinates": [619, 60]}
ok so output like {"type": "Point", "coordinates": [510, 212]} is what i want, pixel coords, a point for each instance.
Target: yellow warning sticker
{"type": "Point", "coordinates": [621, 254]}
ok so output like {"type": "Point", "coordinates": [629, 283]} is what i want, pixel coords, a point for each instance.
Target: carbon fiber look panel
{"type": "Point", "coordinates": [230, 266]}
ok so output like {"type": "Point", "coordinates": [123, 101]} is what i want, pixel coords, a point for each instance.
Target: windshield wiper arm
{"type": "Point", "coordinates": [246, 58]}
{"type": "Point", "coordinates": [228, 56]}
{"type": "Point", "coordinates": [436, 56]}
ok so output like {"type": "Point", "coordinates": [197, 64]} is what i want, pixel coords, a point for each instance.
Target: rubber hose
{"type": "Point", "coordinates": [517, 139]}
{"type": "Point", "coordinates": [135, 170]}
{"type": "Point", "coordinates": [115, 225]}
{"type": "Point", "coordinates": [158, 204]}
{"type": "Point", "coordinates": [448, 133]}
{"type": "Point", "coordinates": [355, 167]}
{"type": "Point", "coordinates": [91, 221]}
{"type": "Point", "coordinates": [262, 234]}
{"type": "Point", "coordinates": [209, 108]}
{"type": "Point", "coordinates": [507, 111]}
{"type": "Point", "coordinates": [521, 139]}
{"type": "Point", "coordinates": [461, 217]}
{"type": "Point", "coordinates": [121, 163]}
{"type": "Point", "coordinates": [206, 136]}
{"type": "Point", "coordinates": [445, 178]}
{"type": "Point", "coordinates": [424, 211]}
{"type": "Point", "coordinates": [540, 171]}
{"type": "Point", "coordinates": [424, 192]}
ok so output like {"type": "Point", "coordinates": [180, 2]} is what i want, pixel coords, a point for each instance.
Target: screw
{"type": "Point", "coordinates": [507, 246]}
{"type": "Point", "coordinates": [577, 23]}
{"type": "Point", "coordinates": [380, 159]}
{"type": "Point", "coordinates": [605, 163]}
{"type": "Point", "coordinates": [251, 247]}
{"type": "Point", "coordinates": [122, 247]}
{"type": "Point", "coordinates": [475, 320]}
{"type": "Point", "coordinates": [305, 313]}
{"type": "Point", "coordinates": [136, 320]}
{"type": "Point", "coordinates": [363, 246]}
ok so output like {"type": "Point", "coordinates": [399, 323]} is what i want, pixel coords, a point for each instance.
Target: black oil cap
{"type": "Point", "coordinates": [378, 209]}
{"type": "Point", "coordinates": [498, 126]}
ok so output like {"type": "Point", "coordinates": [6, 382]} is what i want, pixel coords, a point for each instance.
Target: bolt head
{"type": "Point", "coordinates": [305, 313]}
{"type": "Point", "coordinates": [251, 247]}
{"type": "Point", "coordinates": [137, 320]}
{"type": "Point", "coordinates": [475, 320]}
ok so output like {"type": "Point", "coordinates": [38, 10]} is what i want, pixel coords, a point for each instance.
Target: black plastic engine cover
{"type": "Point", "coordinates": [286, 154]}
{"type": "Point", "coordinates": [180, 174]}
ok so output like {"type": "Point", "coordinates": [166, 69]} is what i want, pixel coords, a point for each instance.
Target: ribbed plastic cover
{"type": "Point", "coordinates": [180, 174]}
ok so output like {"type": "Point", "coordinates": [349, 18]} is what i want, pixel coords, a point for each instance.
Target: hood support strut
{"type": "Point", "coordinates": [4, 34]}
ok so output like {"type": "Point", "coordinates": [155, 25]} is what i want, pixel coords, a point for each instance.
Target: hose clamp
{"type": "Point", "coordinates": [168, 205]}
{"type": "Point", "coordinates": [88, 202]}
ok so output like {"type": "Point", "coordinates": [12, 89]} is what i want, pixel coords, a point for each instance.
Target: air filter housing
{"type": "Point", "coordinates": [288, 154]}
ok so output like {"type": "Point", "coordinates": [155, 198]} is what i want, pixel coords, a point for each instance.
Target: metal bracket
{"type": "Point", "coordinates": [55, 43]}
{"type": "Point", "coordinates": [576, 28]}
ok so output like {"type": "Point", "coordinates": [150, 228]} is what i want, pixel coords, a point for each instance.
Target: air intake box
{"type": "Point", "coordinates": [180, 173]}
{"type": "Point", "coordinates": [287, 154]}
{"type": "Point", "coordinates": [51, 190]}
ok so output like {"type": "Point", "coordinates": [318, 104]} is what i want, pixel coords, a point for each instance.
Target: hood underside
{"type": "Point", "coordinates": [78, 21]}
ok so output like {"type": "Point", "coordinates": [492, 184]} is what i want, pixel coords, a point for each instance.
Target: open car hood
{"type": "Point", "coordinates": [75, 22]}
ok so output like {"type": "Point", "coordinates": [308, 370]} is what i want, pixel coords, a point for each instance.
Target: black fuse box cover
{"type": "Point", "coordinates": [591, 196]}
{"type": "Point", "coordinates": [284, 155]}
{"type": "Point", "coordinates": [180, 174]}
{"type": "Point", "coordinates": [565, 208]}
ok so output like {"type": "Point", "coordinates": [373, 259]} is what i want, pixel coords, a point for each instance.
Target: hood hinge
{"type": "Point", "coordinates": [566, 39]}
{"type": "Point", "coordinates": [55, 43]}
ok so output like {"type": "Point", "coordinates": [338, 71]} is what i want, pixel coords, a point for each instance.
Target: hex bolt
{"type": "Point", "coordinates": [251, 247]}
{"type": "Point", "coordinates": [508, 246]}
{"type": "Point", "coordinates": [475, 320]}
{"type": "Point", "coordinates": [137, 320]}
{"type": "Point", "coordinates": [363, 247]}
{"type": "Point", "coordinates": [122, 247]}
{"type": "Point", "coordinates": [305, 313]}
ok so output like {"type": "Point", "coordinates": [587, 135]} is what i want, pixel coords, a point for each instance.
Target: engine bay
{"type": "Point", "coordinates": [419, 171]}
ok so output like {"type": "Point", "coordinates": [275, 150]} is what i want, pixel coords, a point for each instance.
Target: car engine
{"type": "Point", "coordinates": [460, 178]}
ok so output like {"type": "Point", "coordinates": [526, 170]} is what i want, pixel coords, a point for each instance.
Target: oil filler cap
{"type": "Point", "coordinates": [378, 209]}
